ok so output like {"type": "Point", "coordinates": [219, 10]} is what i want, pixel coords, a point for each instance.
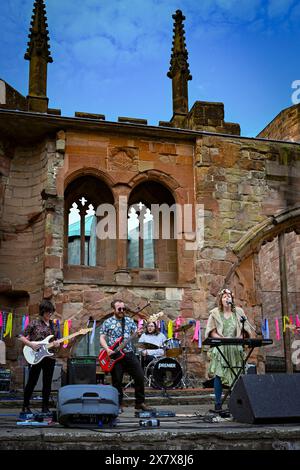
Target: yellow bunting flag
{"type": "Point", "coordinates": [66, 333]}
{"type": "Point", "coordinates": [170, 329]}
{"type": "Point", "coordinates": [286, 321]}
{"type": "Point", "coordinates": [8, 329]}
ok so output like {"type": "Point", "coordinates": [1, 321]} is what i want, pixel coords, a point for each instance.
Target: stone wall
{"type": "Point", "coordinates": [22, 224]}
{"type": "Point", "coordinates": [285, 126]}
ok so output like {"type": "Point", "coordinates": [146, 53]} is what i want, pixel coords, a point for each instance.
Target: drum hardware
{"type": "Point", "coordinates": [184, 328]}
{"type": "Point", "coordinates": [188, 380]}
{"type": "Point", "coordinates": [172, 347]}
{"type": "Point", "coordinates": [147, 346]}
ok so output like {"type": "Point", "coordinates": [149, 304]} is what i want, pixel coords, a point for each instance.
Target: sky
{"type": "Point", "coordinates": [112, 56]}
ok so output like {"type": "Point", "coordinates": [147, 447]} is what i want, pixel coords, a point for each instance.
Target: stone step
{"type": "Point", "coordinates": [153, 397]}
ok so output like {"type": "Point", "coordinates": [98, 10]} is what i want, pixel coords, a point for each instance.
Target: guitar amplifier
{"type": "Point", "coordinates": [87, 405]}
{"type": "Point", "coordinates": [5, 377]}
{"type": "Point", "coordinates": [56, 379]}
{"type": "Point", "coordinates": [81, 370]}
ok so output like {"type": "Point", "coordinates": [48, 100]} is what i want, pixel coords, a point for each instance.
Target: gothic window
{"type": "Point", "coordinates": [82, 233]}
{"type": "Point", "coordinates": [140, 237]}
{"type": "Point", "coordinates": [152, 242]}
{"type": "Point", "coordinates": [82, 245]}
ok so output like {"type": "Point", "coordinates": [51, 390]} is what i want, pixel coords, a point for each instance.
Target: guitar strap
{"type": "Point", "coordinates": [123, 325]}
{"type": "Point", "coordinates": [52, 328]}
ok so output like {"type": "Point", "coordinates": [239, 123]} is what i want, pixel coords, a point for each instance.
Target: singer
{"type": "Point", "coordinates": [225, 321]}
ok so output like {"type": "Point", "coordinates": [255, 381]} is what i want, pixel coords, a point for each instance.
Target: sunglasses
{"type": "Point", "coordinates": [226, 291]}
{"type": "Point", "coordinates": [121, 309]}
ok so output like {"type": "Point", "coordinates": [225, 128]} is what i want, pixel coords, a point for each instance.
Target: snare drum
{"type": "Point", "coordinates": [172, 347]}
{"type": "Point", "coordinates": [164, 373]}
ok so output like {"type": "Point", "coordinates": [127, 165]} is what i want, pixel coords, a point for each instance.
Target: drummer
{"type": "Point", "coordinates": [154, 336]}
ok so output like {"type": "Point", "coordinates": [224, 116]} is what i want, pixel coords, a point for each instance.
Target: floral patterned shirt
{"type": "Point", "coordinates": [37, 330]}
{"type": "Point", "coordinates": [112, 329]}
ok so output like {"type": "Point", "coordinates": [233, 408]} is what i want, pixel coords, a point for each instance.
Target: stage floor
{"type": "Point", "coordinates": [193, 428]}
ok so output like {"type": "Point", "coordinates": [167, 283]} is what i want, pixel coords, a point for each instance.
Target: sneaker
{"type": "Point", "coordinates": [143, 407]}
{"type": "Point", "coordinates": [218, 407]}
{"type": "Point", "coordinates": [45, 409]}
{"type": "Point", "coordinates": [26, 409]}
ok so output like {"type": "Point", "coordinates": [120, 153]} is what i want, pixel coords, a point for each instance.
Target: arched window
{"type": "Point", "coordinates": [152, 237]}
{"type": "Point", "coordinates": [82, 245]}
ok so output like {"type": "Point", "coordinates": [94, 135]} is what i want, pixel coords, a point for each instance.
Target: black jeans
{"type": "Point", "coordinates": [132, 366]}
{"type": "Point", "coordinates": [47, 366]}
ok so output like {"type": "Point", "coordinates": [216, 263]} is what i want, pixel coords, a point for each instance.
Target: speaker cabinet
{"type": "Point", "coordinates": [56, 379]}
{"type": "Point", "coordinates": [81, 370]}
{"type": "Point", "coordinates": [270, 398]}
{"type": "Point", "coordinates": [87, 405]}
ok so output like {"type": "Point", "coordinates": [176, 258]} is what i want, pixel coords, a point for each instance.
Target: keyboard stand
{"type": "Point", "coordinates": [236, 374]}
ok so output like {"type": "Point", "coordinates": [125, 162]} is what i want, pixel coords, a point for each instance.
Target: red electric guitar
{"type": "Point", "coordinates": [107, 362]}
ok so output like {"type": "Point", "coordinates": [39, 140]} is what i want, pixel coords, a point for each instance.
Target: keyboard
{"type": "Point", "coordinates": [251, 342]}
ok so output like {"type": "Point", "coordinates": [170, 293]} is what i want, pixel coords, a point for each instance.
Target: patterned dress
{"type": "Point", "coordinates": [234, 354]}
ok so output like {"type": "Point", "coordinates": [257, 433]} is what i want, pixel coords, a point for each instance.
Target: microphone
{"type": "Point", "coordinates": [229, 302]}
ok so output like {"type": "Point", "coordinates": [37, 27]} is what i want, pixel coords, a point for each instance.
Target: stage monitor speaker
{"type": "Point", "coordinates": [81, 370]}
{"type": "Point", "coordinates": [269, 398]}
{"type": "Point", "coordinates": [56, 379]}
{"type": "Point", "coordinates": [87, 405]}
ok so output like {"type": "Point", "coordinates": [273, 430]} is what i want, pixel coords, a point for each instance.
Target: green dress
{"type": "Point", "coordinates": [234, 354]}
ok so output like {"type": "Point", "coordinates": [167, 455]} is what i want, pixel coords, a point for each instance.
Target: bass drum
{"type": "Point", "coordinates": [164, 373]}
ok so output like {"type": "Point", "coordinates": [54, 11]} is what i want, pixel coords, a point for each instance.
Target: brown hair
{"type": "Point", "coordinates": [113, 302]}
{"type": "Point", "coordinates": [221, 293]}
{"type": "Point", "coordinates": [155, 326]}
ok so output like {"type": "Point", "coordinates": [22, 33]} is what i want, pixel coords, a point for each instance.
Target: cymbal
{"type": "Point", "coordinates": [147, 346]}
{"type": "Point", "coordinates": [184, 327]}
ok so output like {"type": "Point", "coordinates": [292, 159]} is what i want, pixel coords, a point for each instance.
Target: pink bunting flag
{"type": "Point", "coordinates": [196, 331]}
{"type": "Point", "coordinates": [177, 324]}
{"type": "Point", "coordinates": [297, 321]}
{"type": "Point", "coordinates": [277, 329]}
{"type": "Point", "coordinates": [1, 320]}
{"type": "Point", "coordinates": [291, 320]}
{"type": "Point", "coordinates": [26, 322]}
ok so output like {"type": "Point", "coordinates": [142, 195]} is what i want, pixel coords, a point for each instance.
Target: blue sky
{"type": "Point", "coordinates": [112, 56]}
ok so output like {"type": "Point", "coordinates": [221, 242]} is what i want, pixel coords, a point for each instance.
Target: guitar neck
{"type": "Point", "coordinates": [61, 340]}
{"type": "Point", "coordinates": [124, 343]}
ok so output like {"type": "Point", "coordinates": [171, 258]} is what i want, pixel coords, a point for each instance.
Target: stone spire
{"type": "Point", "coordinates": [38, 53]}
{"type": "Point", "coordinates": [179, 71]}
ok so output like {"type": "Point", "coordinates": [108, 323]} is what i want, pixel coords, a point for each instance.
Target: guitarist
{"type": "Point", "coordinates": [37, 330]}
{"type": "Point", "coordinates": [112, 329]}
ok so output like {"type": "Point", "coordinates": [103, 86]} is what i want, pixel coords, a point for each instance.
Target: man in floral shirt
{"type": "Point", "coordinates": [112, 329]}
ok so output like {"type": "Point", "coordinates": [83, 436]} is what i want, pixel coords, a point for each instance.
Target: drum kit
{"type": "Point", "coordinates": [168, 371]}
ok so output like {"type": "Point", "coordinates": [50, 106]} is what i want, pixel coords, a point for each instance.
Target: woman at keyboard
{"type": "Point", "coordinates": [225, 321]}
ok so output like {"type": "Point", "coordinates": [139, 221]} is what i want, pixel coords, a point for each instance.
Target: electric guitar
{"type": "Point", "coordinates": [34, 357]}
{"type": "Point", "coordinates": [107, 362]}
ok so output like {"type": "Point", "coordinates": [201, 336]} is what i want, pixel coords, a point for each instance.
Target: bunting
{"type": "Point", "coordinates": [93, 332]}
{"type": "Point", "coordinates": [66, 333]}
{"type": "Point", "coordinates": [178, 322]}
{"type": "Point", "coordinates": [286, 321]}
{"type": "Point", "coordinates": [265, 329]}
{"type": "Point", "coordinates": [9, 325]}
{"type": "Point", "coordinates": [277, 329]}
{"type": "Point", "coordinates": [163, 327]}
{"type": "Point", "coordinates": [170, 330]}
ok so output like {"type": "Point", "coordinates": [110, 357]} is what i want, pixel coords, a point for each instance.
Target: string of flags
{"type": "Point", "coordinates": [168, 328]}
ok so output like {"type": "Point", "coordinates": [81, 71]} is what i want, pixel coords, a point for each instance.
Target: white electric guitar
{"type": "Point", "coordinates": [34, 357]}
